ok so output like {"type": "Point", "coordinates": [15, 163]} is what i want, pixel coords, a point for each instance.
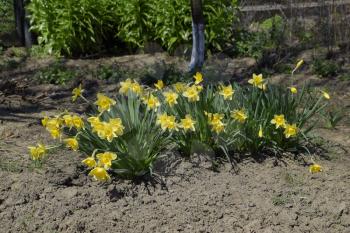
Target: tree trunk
{"type": "Point", "coordinates": [198, 46]}
{"type": "Point", "coordinates": [22, 23]}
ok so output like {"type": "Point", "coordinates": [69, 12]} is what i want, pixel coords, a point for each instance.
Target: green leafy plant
{"type": "Point", "coordinates": [55, 74]}
{"type": "Point", "coordinates": [333, 118]}
{"type": "Point", "coordinates": [325, 68]}
{"type": "Point", "coordinates": [140, 144]}
{"type": "Point", "coordinates": [267, 35]}
{"type": "Point", "coordinates": [72, 27]}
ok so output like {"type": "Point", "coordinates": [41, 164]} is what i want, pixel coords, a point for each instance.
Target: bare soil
{"type": "Point", "coordinates": [273, 195]}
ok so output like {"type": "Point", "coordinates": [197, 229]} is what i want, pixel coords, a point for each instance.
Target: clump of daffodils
{"type": "Point", "coordinates": [126, 134]}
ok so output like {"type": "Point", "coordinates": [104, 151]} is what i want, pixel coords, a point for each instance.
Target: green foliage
{"type": "Point", "coordinates": [135, 21]}
{"type": "Point", "coordinates": [84, 26]}
{"type": "Point", "coordinates": [172, 23]}
{"type": "Point", "coordinates": [139, 146]}
{"type": "Point", "coordinates": [55, 74]}
{"type": "Point", "coordinates": [262, 106]}
{"type": "Point", "coordinates": [6, 16]}
{"type": "Point", "coordinates": [269, 34]}
{"type": "Point", "coordinates": [333, 118]}
{"type": "Point", "coordinates": [72, 27]}
{"type": "Point", "coordinates": [112, 73]}
{"type": "Point", "coordinates": [325, 68]}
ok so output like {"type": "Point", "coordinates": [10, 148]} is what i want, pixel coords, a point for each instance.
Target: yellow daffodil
{"type": "Point", "coordinates": [152, 102]}
{"type": "Point", "coordinates": [187, 123]}
{"type": "Point", "coordinates": [125, 86]}
{"type": "Point", "coordinates": [257, 81]}
{"type": "Point", "coordinates": [136, 88]}
{"type": "Point", "coordinates": [192, 93]}
{"type": "Point", "coordinates": [218, 127]}
{"type": "Point", "coordinates": [90, 162]}
{"type": "Point", "coordinates": [93, 120]}
{"type": "Point", "coordinates": [179, 87]}
{"type": "Point", "coordinates": [326, 95]}
{"type": "Point", "coordinates": [215, 121]}
{"type": "Point", "coordinates": [315, 168]}
{"type": "Point", "coordinates": [72, 143]}
{"type": "Point", "coordinates": [117, 127]}
{"type": "Point", "coordinates": [44, 121]}
{"type": "Point", "coordinates": [105, 159]}
{"type": "Point", "coordinates": [227, 92]}
{"type": "Point", "coordinates": [104, 103]}
{"type": "Point", "coordinates": [198, 78]}
{"type": "Point", "coordinates": [77, 122]}
{"type": "Point", "coordinates": [299, 64]}
{"type": "Point", "coordinates": [55, 133]}
{"type": "Point", "coordinates": [239, 115]}
{"type": "Point", "coordinates": [260, 133]}
{"type": "Point", "coordinates": [37, 152]}
{"type": "Point", "coordinates": [290, 130]}
{"type": "Point", "coordinates": [279, 121]}
{"type": "Point", "coordinates": [171, 98]}
{"type": "Point", "coordinates": [167, 122]}
{"type": "Point", "coordinates": [159, 85]}
{"type": "Point", "coordinates": [293, 90]}
{"type": "Point", "coordinates": [100, 174]}
{"type": "Point", "coordinates": [77, 92]}
{"type": "Point", "coordinates": [68, 120]}
{"type": "Point", "coordinates": [53, 123]}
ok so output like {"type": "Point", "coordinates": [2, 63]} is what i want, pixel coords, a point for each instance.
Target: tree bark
{"type": "Point", "coordinates": [198, 46]}
{"type": "Point", "coordinates": [22, 23]}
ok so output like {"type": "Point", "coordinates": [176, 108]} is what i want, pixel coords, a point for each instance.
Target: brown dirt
{"type": "Point", "coordinates": [262, 197]}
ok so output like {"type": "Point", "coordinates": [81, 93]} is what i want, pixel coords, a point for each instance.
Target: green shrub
{"type": "Point", "coordinates": [325, 68]}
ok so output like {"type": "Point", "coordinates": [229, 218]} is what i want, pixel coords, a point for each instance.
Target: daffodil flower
{"type": "Point", "coordinates": [72, 143]}
{"type": "Point", "coordinates": [105, 159]}
{"type": "Point", "coordinates": [315, 168]}
{"type": "Point", "coordinates": [260, 133]}
{"type": "Point", "coordinates": [239, 115]}
{"type": "Point", "coordinates": [227, 92]}
{"type": "Point", "coordinates": [187, 123]}
{"type": "Point", "coordinates": [290, 130]}
{"type": "Point", "coordinates": [104, 103]}
{"type": "Point", "coordinates": [125, 86]}
{"type": "Point", "coordinates": [326, 95]}
{"type": "Point", "coordinates": [293, 90]}
{"type": "Point", "coordinates": [198, 78]}
{"type": "Point", "coordinates": [152, 102]}
{"type": "Point", "coordinates": [37, 152]}
{"type": "Point", "coordinates": [279, 121]}
{"type": "Point", "coordinates": [171, 98]}
{"type": "Point", "coordinates": [90, 162]}
{"type": "Point", "coordinates": [179, 87]}
{"type": "Point", "coordinates": [167, 122]}
{"type": "Point", "coordinates": [159, 85]}
{"type": "Point", "coordinates": [299, 64]}
{"type": "Point", "coordinates": [100, 174]}
{"type": "Point", "coordinates": [257, 81]}
{"type": "Point", "coordinates": [192, 93]}
{"type": "Point", "coordinates": [77, 92]}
